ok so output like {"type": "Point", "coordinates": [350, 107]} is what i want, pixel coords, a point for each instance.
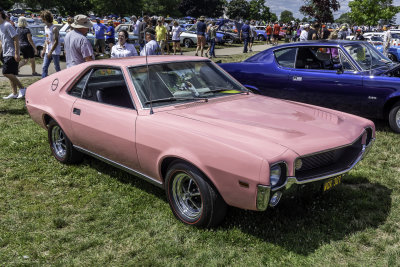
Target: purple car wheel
{"type": "Point", "coordinates": [394, 117]}
{"type": "Point", "coordinates": [192, 198]}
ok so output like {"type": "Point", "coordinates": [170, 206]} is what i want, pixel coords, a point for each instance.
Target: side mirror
{"type": "Point", "coordinates": [338, 68]}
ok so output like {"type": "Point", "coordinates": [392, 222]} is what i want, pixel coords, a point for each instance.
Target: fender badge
{"type": "Point", "coordinates": [54, 84]}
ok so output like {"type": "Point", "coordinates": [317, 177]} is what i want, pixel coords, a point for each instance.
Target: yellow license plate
{"type": "Point", "coordinates": [331, 183]}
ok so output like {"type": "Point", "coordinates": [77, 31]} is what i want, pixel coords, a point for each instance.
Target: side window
{"type": "Point", "coordinates": [107, 86]}
{"type": "Point", "coordinates": [77, 89]}
{"type": "Point", "coordinates": [321, 58]}
{"type": "Point", "coordinates": [286, 57]}
{"type": "Point", "coordinates": [345, 62]}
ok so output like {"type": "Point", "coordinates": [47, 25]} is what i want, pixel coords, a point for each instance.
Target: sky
{"type": "Point", "coordinates": [293, 5]}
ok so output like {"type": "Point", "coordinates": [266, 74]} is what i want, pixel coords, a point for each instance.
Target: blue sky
{"type": "Point", "coordinates": [277, 7]}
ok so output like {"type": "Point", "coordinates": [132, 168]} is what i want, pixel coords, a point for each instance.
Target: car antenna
{"type": "Point", "coordinates": [148, 75]}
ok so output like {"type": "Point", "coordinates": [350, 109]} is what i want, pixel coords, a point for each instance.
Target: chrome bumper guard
{"type": "Point", "coordinates": [264, 192]}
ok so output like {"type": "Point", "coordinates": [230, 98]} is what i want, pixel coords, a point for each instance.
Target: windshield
{"type": "Point", "coordinates": [367, 56]}
{"type": "Point", "coordinates": [182, 82]}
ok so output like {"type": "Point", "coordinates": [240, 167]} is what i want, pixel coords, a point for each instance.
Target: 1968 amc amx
{"type": "Point", "coordinates": [185, 125]}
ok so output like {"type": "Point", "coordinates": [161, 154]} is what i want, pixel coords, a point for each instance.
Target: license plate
{"type": "Point", "coordinates": [331, 183]}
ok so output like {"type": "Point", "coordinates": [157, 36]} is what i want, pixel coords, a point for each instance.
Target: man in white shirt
{"type": "Point", "coordinates": [304, 33]}
{"type": "Point", "coordinates": [151, 47]}
{"type": "Point", "coordinates": [387, 38]}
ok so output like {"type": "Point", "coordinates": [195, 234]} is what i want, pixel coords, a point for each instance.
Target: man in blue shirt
{"type": "Point", "coordinates": [245, 35]}
{"type": "Point", "coordinates": [99, 41]}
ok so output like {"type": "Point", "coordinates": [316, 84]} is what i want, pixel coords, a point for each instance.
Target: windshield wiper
{"type": "Point", "coordinates": [170, 99]}
{"type": "Point", "coordinates": [223, 89]}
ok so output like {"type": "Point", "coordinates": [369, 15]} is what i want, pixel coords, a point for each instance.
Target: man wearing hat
{"type": "Point", "coordinates": [387, 38]}
{"type": "Point", "coordinates": [77, 47]}
{"type": "Point", "coordinates": [201, 35]}
{"type": "Point", "coordinates": [99, 41]}
{"type": "Point", "coordinates": [359, 36]}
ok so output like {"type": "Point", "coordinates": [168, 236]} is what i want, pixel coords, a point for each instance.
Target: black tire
{"type": "Point", "coordinates": [187, 43]}
{"type": "Point", "coordinates": [261, 38]}
{"type": "Point", "coordinates": [394, 117]}
{"type": "Point", "coordinates": [60, 145]}
{"type": "Point", "coordinates": [193, 200]}
{"type": "Point", "coordinates": [392, 57]}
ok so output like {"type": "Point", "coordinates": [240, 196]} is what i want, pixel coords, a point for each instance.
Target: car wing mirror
{"type": "Point", "coordinates": [338, 68]}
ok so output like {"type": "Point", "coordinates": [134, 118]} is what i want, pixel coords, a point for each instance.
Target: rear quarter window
{"type": "Point", "coordinates": [286, 57]}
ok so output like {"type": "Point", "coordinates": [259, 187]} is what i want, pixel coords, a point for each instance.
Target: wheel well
{"type": "Point", "coordinates": [389, 104]}
{"type": "Point", "coordinates": [47, 119]}
{"type": "Point", "coordinates": [168, 161]}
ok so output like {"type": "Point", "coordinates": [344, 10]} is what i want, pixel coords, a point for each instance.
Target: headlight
{"type": "Point", "coordinates": [275, 174]}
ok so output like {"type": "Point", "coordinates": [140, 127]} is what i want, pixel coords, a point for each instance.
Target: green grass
{"type": "Point", "coordinates": [94, 214]}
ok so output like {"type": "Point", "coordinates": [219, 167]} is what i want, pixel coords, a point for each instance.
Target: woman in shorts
{"type": "Point", "coordinates": [27, 46]}
{"type": "Point", "coordinates": [176, 33]}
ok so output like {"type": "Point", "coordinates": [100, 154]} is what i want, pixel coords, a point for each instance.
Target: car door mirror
{"type": "Point", "coordinates": [338, 68]}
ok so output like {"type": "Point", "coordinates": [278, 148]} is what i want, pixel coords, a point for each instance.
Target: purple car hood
{"type": "Point", "coordinates": [261, 120]}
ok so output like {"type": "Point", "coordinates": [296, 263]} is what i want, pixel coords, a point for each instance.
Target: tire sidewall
{"type": "Point", "coordinates": [392, 117]}
{"type": "Point", "coordinates": [203, 188]}
{"type": "Point", "coordinates": [66, 158]}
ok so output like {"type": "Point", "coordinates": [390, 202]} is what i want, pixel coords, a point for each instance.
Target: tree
{"type": "Point", "coordinates": [238, 9]}
{"type": "Point", "coordinates": [345, 18]}
{"type": "Point", "coordinates": [286, 16]}
{"type": "Point", "coordinates": [6, 4]}
{"type": "Point", "coordinates": [274, 17]}
{"type": "Point", "coordinates": [258, 10]}
{"type": "Point", "coordinates": [162, 8]}
{"type": "Point", "coordinates": [369, 12]}
{"type": "Point", "coordinates": [320, 10]}
{"type": "Point", "coordinates": [196, 8]}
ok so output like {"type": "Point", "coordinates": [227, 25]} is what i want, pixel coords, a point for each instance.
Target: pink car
{"type": "Point", "coordinates": [185, 125]}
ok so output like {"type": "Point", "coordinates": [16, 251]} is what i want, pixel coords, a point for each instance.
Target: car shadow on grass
{"type": "Point", "coordinates": [306, 219]}
{"type": "Point", "coordinates": [13, 111]}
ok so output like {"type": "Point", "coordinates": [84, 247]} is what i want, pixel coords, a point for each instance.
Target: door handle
{"type": "Point", "coordinates": [76, 111]}
{"type": "Point", "coordinates": [297, 78]}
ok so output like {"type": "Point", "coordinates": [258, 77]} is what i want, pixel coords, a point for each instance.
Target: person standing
{"type": "Point", "coordinates": [276, 31]}
{"type": "Point", "coordinates": [325, 32]}
{"type": "Point", "coordinates": [135, 26]}
{"type": "Point", "coordinates": [142, 28]}
{"type": "Point", "coordinates": [387, 38]}
{"type": "Point", "coordinates": [176, 33]}
{"type": "Point", "coordinates": [151, 47]}
{"type": "Point", "coordinates": [212, 32]}
{"type": "Point", "coordinates": [304, 33]}
{"type": "Point", "coordinates": [110, 35]}
{"type": "Point", "coordinates": [51, 47]}
{"type": "Point", "coordinates": [27, 46]}
{"type": "Point", "coordinates": [253, 34]}
{"type": "Point", "coordinates": [77, 47]}
{"type": "Point", "coordinates": [10, 51]}
{"type": "Point", "coordinates": [359, 36]}
{"type": "Point", "coordinates": [313, 32]}
{"type": "Point", "coordinates": [245, 35]}
{"type": "Point", "coordinates": [161, 35]}
{"type": "Point", "coordinates": [122, 48]}
{"type": "Point", "coordinates": [99, 41]}
{"type": "Point", "coordinates": [268, 30]}
{"type": "Point", "coordinates": [201, 35]}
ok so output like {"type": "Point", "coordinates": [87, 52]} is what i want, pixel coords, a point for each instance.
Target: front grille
{"type": "Point", "coordinates": [329, 162]}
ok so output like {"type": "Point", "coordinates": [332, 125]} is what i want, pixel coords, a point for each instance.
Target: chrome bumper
{"type": "Point", "coordinates": [264, 192]}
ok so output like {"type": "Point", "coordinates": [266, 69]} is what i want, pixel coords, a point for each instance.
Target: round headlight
{"type": "Point", "coordinates": [275, 174]}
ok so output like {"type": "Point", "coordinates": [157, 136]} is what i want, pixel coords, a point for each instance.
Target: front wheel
{"type": "Point", "coordinates": [192, 198]}
{"type": "Point", "coordinates": [187, 43]}
{"type": "Point", "coordinates": [392, 57]}
{"type": "Point", "coordinates": [394, 117]}
{"type": "Point", "coordinates": [61, 147]}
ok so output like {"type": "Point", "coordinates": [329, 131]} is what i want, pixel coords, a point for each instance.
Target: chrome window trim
{"type": "Point", "coordinates": [122, 167]}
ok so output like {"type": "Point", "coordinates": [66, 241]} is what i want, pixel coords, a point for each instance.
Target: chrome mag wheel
{"type": "Point", "coordinates": [186, 195]}
{"type": "Point", "coordinates": [58, 141]}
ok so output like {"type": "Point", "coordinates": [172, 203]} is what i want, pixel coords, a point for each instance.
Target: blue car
{"type": "Point", "coordinates": [350, 76]}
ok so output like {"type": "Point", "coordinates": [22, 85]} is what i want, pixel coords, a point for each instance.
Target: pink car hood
{"type": "Point", "coordinates": [259, 121]}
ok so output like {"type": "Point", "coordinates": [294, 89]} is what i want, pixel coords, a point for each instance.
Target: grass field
{"type": "Point", "coordinates": [94, 214]}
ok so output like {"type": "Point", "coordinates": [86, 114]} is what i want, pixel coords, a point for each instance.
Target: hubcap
{"type": "Point", "coordinates": [186, 195]}
{"type": "Point", "coordinates": [58, 141]}
{"type": "Point", "coordinates": [398, 118]}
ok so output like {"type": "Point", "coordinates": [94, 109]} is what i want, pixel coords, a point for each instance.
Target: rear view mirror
{"type": "Point", "coordinates": [338, 68]}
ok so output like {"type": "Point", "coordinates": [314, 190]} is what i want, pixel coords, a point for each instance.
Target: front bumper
{"type": "Point", "coordinates": [264, 192]}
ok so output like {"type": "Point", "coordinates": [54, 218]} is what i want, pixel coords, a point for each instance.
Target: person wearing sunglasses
{"type": "Point", "coordinates": [123, 48]}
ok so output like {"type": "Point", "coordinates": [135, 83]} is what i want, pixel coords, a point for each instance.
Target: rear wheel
{"type": "Point", "coordinates": [261, 38]}
{"type": "Point", "coordinates": [187, 43]}
{"type": "Point", "coordinates": [61, 147]}
{"type": "Point", "coordinates": [394, 117]}
{"type": "Point", "coordinates": [192, 198]}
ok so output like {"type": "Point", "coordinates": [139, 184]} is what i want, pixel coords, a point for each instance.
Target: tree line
{"type": "Point", "coordinates": [363, 12]}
